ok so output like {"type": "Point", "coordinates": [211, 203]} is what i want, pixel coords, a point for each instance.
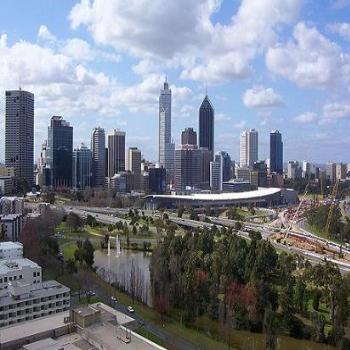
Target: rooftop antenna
{"type": "Point", "coordinates": [206, 89]}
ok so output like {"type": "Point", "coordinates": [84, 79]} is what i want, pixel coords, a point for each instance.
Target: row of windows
{"type": "Point", "coordinates": [31, 317]}
{"type": "Point", "coordinates": [11, 278]}
{"type": "Point", "coordinates": [34, 301]}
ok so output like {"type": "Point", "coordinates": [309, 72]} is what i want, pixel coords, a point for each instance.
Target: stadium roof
{"type": "Point", "coordinates": [259, 193]}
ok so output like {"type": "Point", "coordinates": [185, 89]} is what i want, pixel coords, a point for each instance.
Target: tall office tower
{"type": "Point", "coordinates": [260, 173]}
{"type": "Point", "coordinates": [116, 152]}
{"type": "Point", "coordinates": [306, 170]}
{"type": "Point", "coordinates": [134, 165]}
{"type": "Point", "coordinates": [206, 158]}
{"type": "Point", "coordinates": [331, 171]}
{"type": "Point", "coordinates": [294, 170]}
{"type": "Point", "coordinates": [157, 180]}
{"type": "Point", "coordinates": [340, 171]}
{"type": "Point", "coordinates": [82, 167]}
{"type": "Point", "coordinates": [206, 125]}
{"type": "Point", "coordinates": [19, 134]}
{"type": "Point", "coordinates": [166, 146]}
{"type": "Point", "coordinates": [226, 166]}
{"type": "Point", "coordinates": [60, 152]}
{"type": "Point", "coordinates": [187, 168]}
{"type": "Point", "coordinates": [276, 152]}
{"type": "Point", "coordinates": [98, 144]}
{"type": "Point", "coordinates": [216, 172]}
{"type": "Point", "coordinates": [248, 148]}
{"type": "Point", "coordinates": [189, 137]}
{"type": "Point", "coordinates": [106, 162]}
{"type": "Point", "coordinates": [44, 173]}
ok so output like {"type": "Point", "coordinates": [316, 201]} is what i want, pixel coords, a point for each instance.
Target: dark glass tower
{"type": "Point", "coordinates": [19, 134]}
{"type": "Point", "coordinates": [60, 152]}
{"type": "Point", "coordinates": [206, 125]}
{"type": "Point", "coordinates": [189, 137]}
{"type": "Point", "coordinates": [276, 152]}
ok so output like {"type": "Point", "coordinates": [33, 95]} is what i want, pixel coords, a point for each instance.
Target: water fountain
{"type": "Point", "coordinates": [117, 246]}
{"type": "Point", "coordinates": [109, 247]}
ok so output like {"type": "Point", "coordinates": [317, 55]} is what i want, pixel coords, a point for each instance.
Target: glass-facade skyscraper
{"type": "Point", "coordinates": [60, 152]}
{"type": "Point", "coordinates": [82, 167]}
{"type": "Point", "coordinates": [276, 152]}
{"type": "Point", "coordinates": [206, 125]}
{"type": "Point", "coordinates": [98, 144]}
{"type": "Point", "coordinates": [19, 134]}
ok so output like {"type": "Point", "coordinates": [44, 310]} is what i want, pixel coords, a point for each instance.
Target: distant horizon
{"type": "Point", "coordinates": [283, 65]}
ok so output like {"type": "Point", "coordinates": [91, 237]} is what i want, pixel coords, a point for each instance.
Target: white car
{"type": "Point", "coordinates": [114, 299]}
{"type": "Point", "coordinates": [131, 309]}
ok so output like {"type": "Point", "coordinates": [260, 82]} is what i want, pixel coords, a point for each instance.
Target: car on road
{"type": "Point", "coordinates": [90, 293]}
{"type": "Point", "coordinates": [131, 309]}
{"type": "Point", "coordinates": [113, 299]}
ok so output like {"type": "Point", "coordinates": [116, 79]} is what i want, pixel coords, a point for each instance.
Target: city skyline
{"type": "Point", "coordinates": [90, 82]}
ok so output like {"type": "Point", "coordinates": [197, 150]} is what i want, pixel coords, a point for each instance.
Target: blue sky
{"type": "Point", "coordinates": [272, 64]}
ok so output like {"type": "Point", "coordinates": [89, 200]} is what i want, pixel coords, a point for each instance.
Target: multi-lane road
{"type": "Point", "coordinates": [109, 216]}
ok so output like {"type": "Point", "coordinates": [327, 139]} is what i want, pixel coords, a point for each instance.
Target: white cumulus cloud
{"type": "Point", "coordinates": [260, 97]}
{"type": "Point", "coordinates": [45, 34]}
{"type": "Point", "coordinates": [310, 59]}
{"type": "Point", "coordinates": [306, 118]}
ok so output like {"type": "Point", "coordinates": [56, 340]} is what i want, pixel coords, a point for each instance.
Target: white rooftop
{"type": "Point", "coordinates": [15, 264]}
{"type": "Point", "coordinates": [260, 192]}
{"type": "Point", "coordinates": [10, 245]}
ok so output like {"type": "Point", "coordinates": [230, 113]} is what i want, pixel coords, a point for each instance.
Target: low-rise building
{"type": "Point", "coordinates": [11, 205]}
{"type": "Point", "coordinates": [25, 301]}
{"type": "Point", "coordinates": [12, 225]}
{"type": "Point", "coordinates": [11, 250]}
{"type": "Point", "coordinates": [20, 269]}
{"type": "Point", "coordinates": [6, 185]}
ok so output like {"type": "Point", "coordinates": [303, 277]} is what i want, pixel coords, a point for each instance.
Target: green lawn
{"type": "Point", "coordinates": [320, 233]}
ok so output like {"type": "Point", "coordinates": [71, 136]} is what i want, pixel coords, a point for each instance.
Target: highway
{"type": "Point", "coordinates": [107, 216]}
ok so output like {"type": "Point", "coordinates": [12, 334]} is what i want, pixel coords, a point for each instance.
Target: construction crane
{"type": "Point", "coordinates": [332, 206]}
{"type": "Point", "coordinates": [296, 212]}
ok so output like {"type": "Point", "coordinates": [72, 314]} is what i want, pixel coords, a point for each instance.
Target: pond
{"type": "Point", "coordinates": [129, 270]}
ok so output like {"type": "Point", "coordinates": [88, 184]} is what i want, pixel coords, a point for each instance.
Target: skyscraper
{"type": "Point", "coordinates": [134, 165]}
{"type": "Point", "coordinates": [116, 152]}
{"type": "Point", "coordinates": [276, 152]}
{"type": "Point", "coordinates": [216, 172]}
{"type": "Point", "coordinates": [98, 143]}
{"type": "Point", "coordinates": [166, 146]}
{"type": "Point", "coordinates": [248, 148]}
{"type": "Point", "coordinates": [206, 125]}
{"type": "Point", "coordinates": [188, 161]}
{"type": "Point", "coordinates": [189, 137]}
{"type": "Point", "coordinates": [19, 134]}
{"type": "Point", "coordinates": [82, 167]}
{"type": "Point", "coordinates": [226, 166]}
{"type": "Point", "coordinates": [60, 151]}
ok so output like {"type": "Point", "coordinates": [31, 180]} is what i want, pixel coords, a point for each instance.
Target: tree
{"type": "Point", "coordinates": [180, 211]}
{"type": "Point", "coordinates": [71, 267]}
{"type": "Point", "coordinates": [48, 197]}
{"type": "Point", "coordinates": [318, 322]}
{"type": "Point", "coordinates": [88, 252]}
{"type": "Point", "coordinates": [161, 304]}
{"type": "Point", "coordinates": [73, 221]}
{"type": "Point", "coordinates": [91, 220]}
{"type": "Point", "coordinates": [316, 297]}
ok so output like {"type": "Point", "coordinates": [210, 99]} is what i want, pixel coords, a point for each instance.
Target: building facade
{"type": "Point", "coordinates": [19, 135]}
{"type": "Point", "coordinates": [98, 144]}
{"type": "Point", "coordinates": [116, 152]}
{"type": "Point", "coordinates": [60, 152]}
{"type": "Point", "coordinates": [166, 146]}
{"type": "Point", "coordinates": [206, 125]}
{"type": "Point", "coordinates": [82, 167]}
{"type": "Point", "coordinates": [276, 152]}
{"type": "Point", "coordinates": [157, 180]}
{"type": "Point", "coordinates": [249, 147]}
{"type": "Point", "coordinates": [189, 137]}
{"type": "Point", "coordinates": [134, 165]}
{"type": "Point", "coordinates": [216, 173]}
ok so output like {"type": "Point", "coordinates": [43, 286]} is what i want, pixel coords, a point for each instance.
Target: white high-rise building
{"type": "Point", "coordinates": [166, 146]}
{"type": "Point", "coordinates": [98, 145]}
{"type": "Point", "coordinates": [134, 165]}
{"type": "Point", "coordinates": [216, 172]}
{"type": "Point", "coordinates": [248, 148]}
